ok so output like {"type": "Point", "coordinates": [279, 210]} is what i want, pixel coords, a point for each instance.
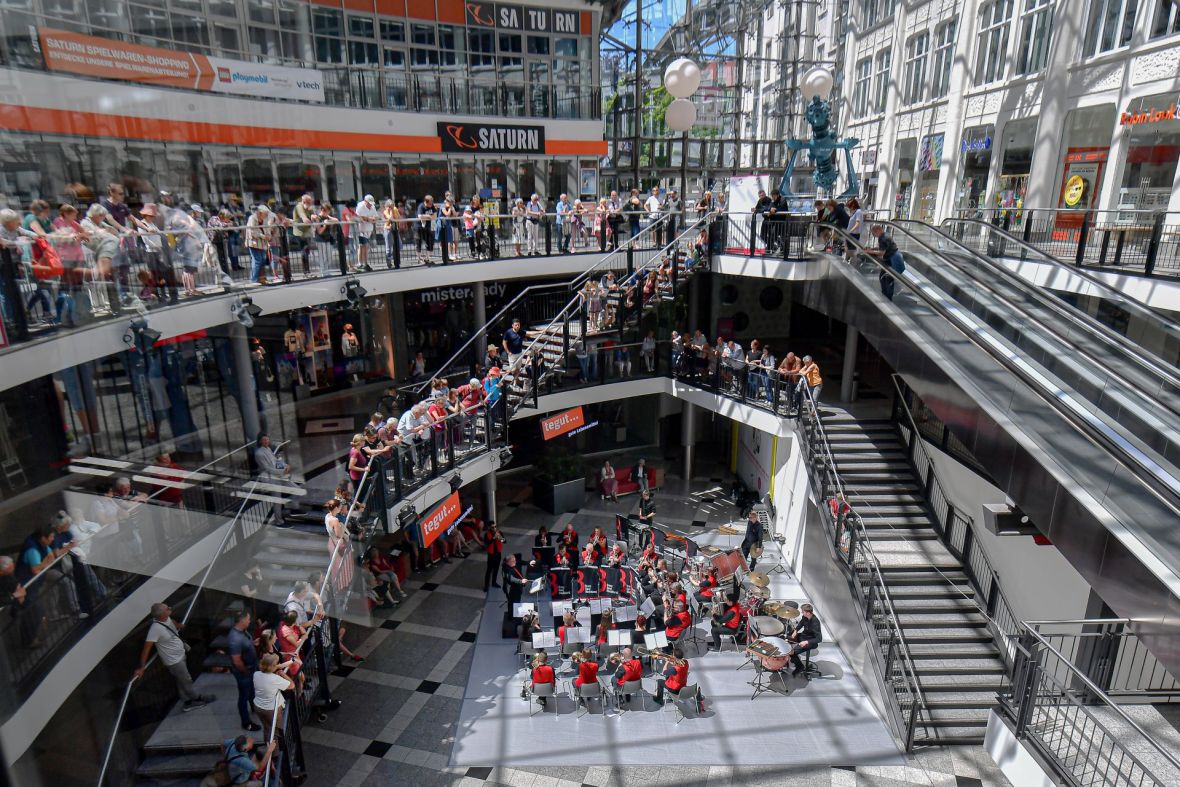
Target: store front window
{"type": "Point", "coordinates": [975, 149]}
{"type": "Point", "coordinates": [1085, 144]}
{"type": "Point", "coordinates": [375, 179]}
{"type": "Point", "coordinates": [929, 168]}
{"type": "Point", "coordinates": [907, 152]}
{"type": "Point", "coordinates": [1016, 151]}
{"type": "Point", "coordinates": [1154, 146]}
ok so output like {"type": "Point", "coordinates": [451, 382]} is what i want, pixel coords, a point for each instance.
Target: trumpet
{"type": "Point", "coordinates": [655, 654]}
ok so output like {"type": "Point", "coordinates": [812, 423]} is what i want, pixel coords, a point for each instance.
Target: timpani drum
{"type": "Point", "coordinates": [779, 661]}
{"type": "Point", "coordinates": [766, 626]}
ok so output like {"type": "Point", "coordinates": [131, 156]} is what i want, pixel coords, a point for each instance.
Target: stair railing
{"type": "Point", "coordinates": [532, 352]}
{"type": "Point", "coordinates": [1051, 706]}
{"type": "Point", "coordinates": [623, 250]}
{"type": "Point", "coordinates": [957, 530]}
{"type": "Point", "coordinates": [850, 540]}
{"type": "Point", "coordinates": [230, 530]}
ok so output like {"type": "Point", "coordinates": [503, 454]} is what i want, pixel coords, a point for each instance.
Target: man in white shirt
{"type": "Point", "coordinates": [164, 635]}
{"type": "Point", "coordinates": [367, 216]}
{"type": "Point", "coordinates": [269, 465]}
{"type": "Point", "coordinates": [412, 428]}
{"type": "Point", "coordinates": [534, 214]}
{"type": "Point", "coordinates": [654, 206]}
{"type": "Point", "coordinates": [305, 602]}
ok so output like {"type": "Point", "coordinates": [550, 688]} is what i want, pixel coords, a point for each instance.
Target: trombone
{"type": "Point", "coordinates": [640, 650]}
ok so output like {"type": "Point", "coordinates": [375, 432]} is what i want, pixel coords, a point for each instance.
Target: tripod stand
{"type": "Point", "coordinates": [778, 567]}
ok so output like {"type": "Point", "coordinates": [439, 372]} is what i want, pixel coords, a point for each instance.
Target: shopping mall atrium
{"type": "Point", "coordinates": [589, 394]}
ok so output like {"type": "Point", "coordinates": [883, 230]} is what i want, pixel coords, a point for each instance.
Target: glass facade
{"type": "Point", "coordinates": [1149, 176]}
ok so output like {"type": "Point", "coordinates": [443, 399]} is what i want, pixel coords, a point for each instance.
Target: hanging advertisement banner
{"type": "Point", "coordinates": [107, 58]}
{"type": "Point", "coordinates": [439, 520]}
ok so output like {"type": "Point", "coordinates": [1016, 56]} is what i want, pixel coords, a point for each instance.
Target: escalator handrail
{"type": "Point", "coordinates": [1168, 494]}
{"type": "Point", "coordinates": [1098, 330]}
{"type": "Point", "coordinates": [1171, 327]}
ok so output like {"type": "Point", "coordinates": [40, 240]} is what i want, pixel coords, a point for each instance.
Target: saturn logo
{"type": "Point", "coordinates": [477, 13]}
{"type": "Point", "coordinates": [461, 139]}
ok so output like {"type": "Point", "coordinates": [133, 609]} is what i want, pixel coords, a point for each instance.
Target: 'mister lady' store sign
{"type": "Point", "coordinates": [485, 138]}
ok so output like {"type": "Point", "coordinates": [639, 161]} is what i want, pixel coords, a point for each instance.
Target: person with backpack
{"type": "Point", "coordinates": [241, 767]}
{"type": "Point", "coordinates": [888, 253]}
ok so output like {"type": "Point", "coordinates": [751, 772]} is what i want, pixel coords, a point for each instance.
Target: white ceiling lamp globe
{"type": "Point", "coordinates": [816, 82]}
{"type": "Point", "coordinates": [680, 115]}
{"type": "Point", "coordinates": [682, 77]}
{"type": "Point", "coordinates": [690, 77]}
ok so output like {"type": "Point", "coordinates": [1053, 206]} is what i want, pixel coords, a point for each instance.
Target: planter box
{"type": "Point", "coordinates": [559, 498]}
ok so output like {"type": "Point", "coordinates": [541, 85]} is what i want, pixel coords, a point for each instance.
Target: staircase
{"type": "Point", "coordinates": [955, 659]}
{"type": "Point", "coordinates": [550, 341]}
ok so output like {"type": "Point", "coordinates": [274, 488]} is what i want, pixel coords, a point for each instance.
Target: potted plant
{"type": "Point", "coordinates": [560, 483]}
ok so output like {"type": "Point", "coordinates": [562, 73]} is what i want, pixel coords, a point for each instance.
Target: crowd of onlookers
{"type": "Point", "coordinates": [78, 261]}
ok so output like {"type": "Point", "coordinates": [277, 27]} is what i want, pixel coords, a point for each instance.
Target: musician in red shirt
{"type": "Point", "coordinates": [729, 622]}
{"type": "Point", "coordinates": [587, 670]}
{"type": "Point", "coordinates": [707, 585]}
{"type": "Point", "coordinates": [542, 673]}
{"type": "Point", "coordinates": [631, 669]}
{"type": "Point", "coordinates": [676, 624]}
{"type": "Point", "coordinates": [605, 623]}
{"type": "Point", "coordinates": [675, 675]}
{"type": "Point", "coordinates": [569, 535]}
{"type": "Point", "coordinates": [494, 546]}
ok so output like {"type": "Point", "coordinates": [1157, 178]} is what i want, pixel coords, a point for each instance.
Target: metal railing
{"type": "Point", "coordinates": [248, 520]}
{"type": "Point", "coordinates": [957, 530]}
{"type": "Point", "coordinates": [1138, 241]}
{"type": "Point", "coordinates": [851, 544]}
{"type": "Point", "coordinates": [1071, 722]}
{"type": "Point", "coordinates": [100, 273]}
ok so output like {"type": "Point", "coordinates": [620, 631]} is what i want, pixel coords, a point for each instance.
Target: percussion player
{"type": "Point", "coordinates": [753, 536]}
{"type": "Point", "coordinates": [806, 636]}
{"type": "Point", "coordinates": [647, 509]}
{"type": "Point", "coordinates": [729, 622]}
{"type": "Point", "coordinates": [707, 587]}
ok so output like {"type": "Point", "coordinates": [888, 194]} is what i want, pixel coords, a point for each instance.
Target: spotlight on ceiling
{"type": "Point", "coordinates": [245, 311]}
{"type": "Point", "coordinates": [354, 293]}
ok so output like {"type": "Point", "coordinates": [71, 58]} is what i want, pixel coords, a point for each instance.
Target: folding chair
{"type": "Point", "coordinates": [546, 690]}
{"type": "Point", "coordinates": [690, 693]}
{"type": "Point", "coordinates": [587, 691]}
{"type": "Point", "coordinates": [632, 687]}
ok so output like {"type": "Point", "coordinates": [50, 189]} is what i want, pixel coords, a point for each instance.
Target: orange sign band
{"type": "Point", "coordinates": [562, 423]}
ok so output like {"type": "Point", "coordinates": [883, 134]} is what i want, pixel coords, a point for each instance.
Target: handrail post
{"type": "Point", "coordinates": [630, 260]}
{"type": "Point", "coordinates": [1153, 244]}
{"type": "Point", "coordinates": [1083, 233]}
{"type": "Point", "coordinates": [341, 250]}
{"type": "Point", "coordinates": [1024, 688]}
{"type": "Point", "coordinates": [12, 294]}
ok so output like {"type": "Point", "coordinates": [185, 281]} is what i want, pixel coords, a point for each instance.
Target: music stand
{"type": "Point", "coordinates": [625, 613]}
{"type": "Point", "coordinates": [544, 640]}
{"type": "Point", "coordinates": [590, 581]}
{"type": "Point", "coordinates": [656, 640]}
{"type": "Point", "coordinates": [520, 609]}
{"type": "Point", "coordinates": [545, 556]}
{"type": "Point", "coordinates": [577, 635]}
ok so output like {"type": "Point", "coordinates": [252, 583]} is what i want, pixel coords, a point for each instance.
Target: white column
{"type": "Point", "coordinates": [849, 370]}
{"type": "Point", "coordinates": [244, 371]}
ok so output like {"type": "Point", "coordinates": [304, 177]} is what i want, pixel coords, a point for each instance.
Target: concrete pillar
{"type": "Point", "coordinates": [244, 371]}
{"type": "Point", "coordinates": [480, 318]}
{"type": "Point", "coordinates": [488, 490]}
{"type": "Point", "coordinates": [850, 341]}
{"type": "Point", "coordinates": [689, 434]}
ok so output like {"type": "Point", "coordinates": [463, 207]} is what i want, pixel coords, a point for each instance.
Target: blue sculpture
{"type": "Point", "coordinates": [821, 146]}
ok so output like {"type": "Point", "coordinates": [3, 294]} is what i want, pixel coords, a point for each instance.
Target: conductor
{"type": "Point", "coordinates": [514, 580]}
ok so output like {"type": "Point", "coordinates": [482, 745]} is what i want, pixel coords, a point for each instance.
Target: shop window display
{"type": "Point", "coordinates": [907, 151]}
{"type": "Point", "coordinates": [929, 169]}
{"type": "Point", "coordinates": [1149, 176]}
{"type": "Point", "coordinates": [975, 150]}
{"type": "Point", "coordinates": [1016, 151]}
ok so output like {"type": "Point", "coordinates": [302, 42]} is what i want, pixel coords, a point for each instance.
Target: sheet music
{"type": "Point", "coordinates": [538, 583]}
{"type": "Point", "coordinates": [575, 635]}
{"type": "Point", "coordinates": [583, 616]}
{"type": "Point", "coordinates": [543, 640]}
{"type": "Point", "coordinates": [624, 614]}
{"type": "Point", "coordinates": [519, 610]}
{"type": "Point", "coordinates": [655, 640]}
{"type": "Point", "coordinates": [647, 607]}
{"type": "Point", "coordinates": [561, 607]}
{"type": "Point", "coordinates": [619, 638]}
{"type": "Point", "coordinates": [598, 605]}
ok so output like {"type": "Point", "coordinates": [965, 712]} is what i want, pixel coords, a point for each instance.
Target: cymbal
{"type": "Point", "coordinates": [772, 607]}
{"type": "Point", "coordinates": [757, 592]}
{"type": "Point", "coordinates": [726, 530]}
{"type": "Point", "coordinates": [758, 578]}
{"type": "Point", "coordinates": [786, 613]}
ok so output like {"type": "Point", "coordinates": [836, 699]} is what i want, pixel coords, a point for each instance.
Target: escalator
{"type": "Point", "coordinates": [1079, 426]}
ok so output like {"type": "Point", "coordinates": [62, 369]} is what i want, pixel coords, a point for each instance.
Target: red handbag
{"type": "Point", "coordinates": [46, 260]}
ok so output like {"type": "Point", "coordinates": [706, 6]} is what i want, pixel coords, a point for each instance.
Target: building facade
{"type": "Point", "coordinates": [998, 104]}
{"type": "Point", "coordinates": [274, 99]}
